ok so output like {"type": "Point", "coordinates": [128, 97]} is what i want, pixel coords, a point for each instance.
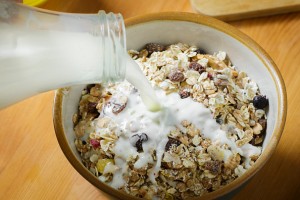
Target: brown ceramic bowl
{"type": "Point", "coordinates": [211, 34]}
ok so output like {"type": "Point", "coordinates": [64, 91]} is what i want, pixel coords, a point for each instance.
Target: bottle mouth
{"type": "Point", "coordinates": [113, 43]}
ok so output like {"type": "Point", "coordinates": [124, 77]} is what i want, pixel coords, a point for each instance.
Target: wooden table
{"type": "Point", "coordinates": [32, 165]}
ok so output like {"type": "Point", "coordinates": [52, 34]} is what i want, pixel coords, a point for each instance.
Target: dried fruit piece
{"type": "Point", "coordinates": [153, 47]}
{"type": "Point", "coordinates": [91, 107]}
{"type": "Point", "coordinates": [95, 143]}
{"type": "Point", "coordinates": [260, 101]}
{"type": "Point", "coordinates": [89, 87]}
{"type": "Point", "coordinates": [210, 76]}
{"type": "Point", "coordinates": [197, 67]}
{"type": "Point", "coordinates": [263, 123]}
{"type": "Point", "coordinates": [184, 94]}
{"type": "Point", "coordinates": [137, 141]}
{"type": "Point", "coordinates": [219, 120]}
{"type": "Point", "coordinates": [171, 143]}
{"type": "Point", "coordinates": [176, 76]}
{"type": "Point", "coordinates": [200, 51]}
{"type": "Point", "coordinates": [101, 164]}
{"type": "Point", "coordinates": [118, 108]}
{"type": "Point", "coordinates": [213, 166]}
{"type": "Point", "coordinates": [257, 140]}
{"type": "Point", "coordinates": [139, 146]}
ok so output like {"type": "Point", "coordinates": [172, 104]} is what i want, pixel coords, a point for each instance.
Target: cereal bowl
{"type": "Point", "coordinates": [211, 35]}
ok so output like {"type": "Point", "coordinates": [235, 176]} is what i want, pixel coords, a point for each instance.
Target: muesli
{"type": "Point", "coordinates": [212, 133]}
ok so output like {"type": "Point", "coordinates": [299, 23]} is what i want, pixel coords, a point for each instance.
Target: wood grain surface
{"type": "Point", "coordinates": [32, 166]}
{"type": "Point", "coordinates": [237, 9]}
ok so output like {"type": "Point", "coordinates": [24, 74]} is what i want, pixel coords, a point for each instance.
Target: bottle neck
{"type": "Point", "coordinates": [112, 31]}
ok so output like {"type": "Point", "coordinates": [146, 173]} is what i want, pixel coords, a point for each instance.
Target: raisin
{"type": "Point", "coordinates": [83, 142]}
{"type": "Point", "coordinates": [139, 146]}
{"type": "Point", "coordinates": [257, 140]}
{"type": "Point", "coordinates": [263, 123]}
{"type": "Point", "coordinates": [260, 101]}
{"type": "Point", "coordinates": [176, 76]}
{"type": "Point", "coordinates": [213, 166]}
{"type": "Point", "coordinates": [184, 94]}
{"type": "Point", "coordinates": [153, 47]}
{"type": "Point", "coordinates": [118, 108]}
{"type": "Point", "coordinates": [137, 141]}
{"type": "Point", "coordinates": [166, 165]}
{"type": "Point", "coordinates": [200, 51]}
{"type": "Point", "coordinates": [172, 142]}
{"type": "Point", "coordinates": [89, 87]}
{"type": "Point", "coordinates": [197, 67]}
{"type": "Point", "coordinates": [91, 107]}
{"type": "Point", "coordinates": [219, 120]}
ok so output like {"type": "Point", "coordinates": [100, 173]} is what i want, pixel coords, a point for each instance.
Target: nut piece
{"type": "Point", "coordinates": [257, 129]}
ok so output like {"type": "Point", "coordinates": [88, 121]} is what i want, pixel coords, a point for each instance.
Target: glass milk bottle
{"type": "Point", "coordinates": [42, 51]}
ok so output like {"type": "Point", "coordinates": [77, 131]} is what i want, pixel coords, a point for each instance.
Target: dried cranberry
{"type": "Point", "coordinates": [153, 47]}
{"type": "Point", "coordinates": [260, 101]}
{"type": "Point", "coordinates": [176, 76]}
{"type": "Point", "coordinates": [95, 143]}
{"type": "Point", "coordinates": [172, 142]}
{"type": "Point", "coordinates": [184, 94]}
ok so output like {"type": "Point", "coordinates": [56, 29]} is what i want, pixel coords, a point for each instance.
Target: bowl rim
{"type": "Point", "coordinates": [218, 25]}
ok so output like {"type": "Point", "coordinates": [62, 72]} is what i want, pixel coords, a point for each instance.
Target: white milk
{"type": "Point", "coordinates": [39, 61]}
{"type": "Point", "coordinates": [41, 52]}
{"type": "Point", "coordinates": [136, 119]}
